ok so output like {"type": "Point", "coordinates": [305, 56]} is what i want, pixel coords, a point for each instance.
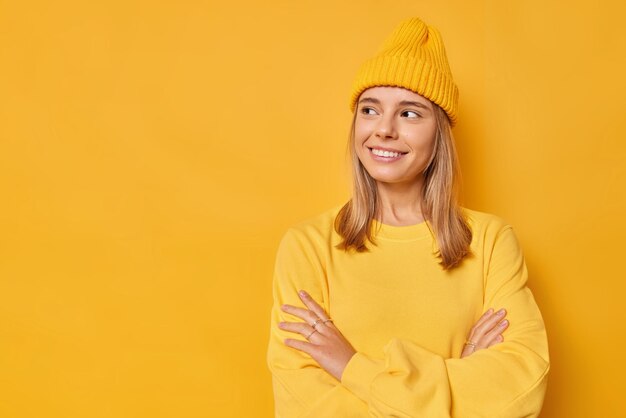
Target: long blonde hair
{"type": "Point", "coordinates": [440, 205]}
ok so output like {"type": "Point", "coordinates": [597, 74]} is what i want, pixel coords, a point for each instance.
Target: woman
{"type": "Point", "coordinates": [401, 283]}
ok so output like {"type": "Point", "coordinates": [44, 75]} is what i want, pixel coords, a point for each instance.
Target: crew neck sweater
{"type": "Point", "coordinates": [408, 320]}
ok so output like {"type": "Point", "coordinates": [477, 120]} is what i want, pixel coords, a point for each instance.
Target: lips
{"type": "Point", "coordinates": [382, 158]}
{"type": "Point", "coordinates": [387, 149]}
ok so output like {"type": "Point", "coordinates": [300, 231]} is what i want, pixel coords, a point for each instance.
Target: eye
{"type": "Point", "coordinates": [410, 111]}
{"type": "Point", "coordinates": [365, 109]}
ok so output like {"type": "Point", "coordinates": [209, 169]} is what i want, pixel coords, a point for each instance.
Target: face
{"type": "Point", "coordinates": [394, 133]}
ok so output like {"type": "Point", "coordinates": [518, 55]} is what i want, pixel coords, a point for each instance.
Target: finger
{"type": "Point", "coordinates": [479, 331]}
{"type": "Point", "coordinates": [484, 335]}
{"type": "Point", "coordinates": [467, 350]}
{"type": "Point", "coordinates": [312, 305]}
{"type": "Point", "coordinates": [305, 328]}
{"type": "Point", "coordinates": [496, 331]}
{"type": "Point", "coordinates": [497, 340]}
{"type": "Point", "coordinates": [485, 317]}
{"type": "Point", "coordinates": [300, 345]}
{"type": "Point", "coordinates": [491, 336]}
{"type": "Point", "coordinates": [301, 313]}
{"type": "Point", "coordinates": [298, 327]}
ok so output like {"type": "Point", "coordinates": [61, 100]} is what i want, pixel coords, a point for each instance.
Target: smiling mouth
{"type": "Point", "coordinates": [386, 154]}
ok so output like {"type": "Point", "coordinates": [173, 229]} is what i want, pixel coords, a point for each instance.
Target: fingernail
{"type": "Point", "coordinates": [500, 312]}
{"type": "Point", "coordinates": [503, 323]}
{"type": "Point", "coordinates": [302, 293]}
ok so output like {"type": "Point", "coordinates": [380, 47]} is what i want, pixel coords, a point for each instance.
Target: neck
{"type": "Point", "coordinates": [401, 202]}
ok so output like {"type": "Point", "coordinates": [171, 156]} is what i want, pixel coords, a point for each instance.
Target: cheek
{"type": "Point", "coordinates": [359, 150]}
{"type": "Point", "coordinates": [420, 141]}
{"type": "Point", "coordinates": [359, 143]}
{"type": "Point", "coordinates": [361, 134]}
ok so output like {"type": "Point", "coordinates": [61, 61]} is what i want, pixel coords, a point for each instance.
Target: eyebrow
{"type": "Point", "coordinates": [402, 103]}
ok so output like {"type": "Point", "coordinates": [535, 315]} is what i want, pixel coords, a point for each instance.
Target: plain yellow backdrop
{"type": "Point", "coordinates": [153, 153]}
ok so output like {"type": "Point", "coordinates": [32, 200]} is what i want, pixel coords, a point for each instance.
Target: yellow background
{"type": "Point", "coordinates": [153, 153]}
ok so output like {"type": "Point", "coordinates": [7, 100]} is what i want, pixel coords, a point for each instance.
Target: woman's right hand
{"type": "Point", "coordinates": [486, 332]}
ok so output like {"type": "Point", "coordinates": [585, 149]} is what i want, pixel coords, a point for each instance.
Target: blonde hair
{"type": "Point", "coordinates": [439, 205]}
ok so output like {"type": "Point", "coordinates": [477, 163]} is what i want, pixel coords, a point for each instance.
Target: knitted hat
{"type": "Point", "coordinates": [413, 57]}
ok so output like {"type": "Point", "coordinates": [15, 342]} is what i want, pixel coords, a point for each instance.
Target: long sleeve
{"type": "Point", "coordinates": [508, 379]}
{"type": "Point", "coordinates": [301, 387]}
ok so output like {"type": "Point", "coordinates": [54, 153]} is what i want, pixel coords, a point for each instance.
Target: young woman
{"type": "Point", "coordinates": [394, 304]}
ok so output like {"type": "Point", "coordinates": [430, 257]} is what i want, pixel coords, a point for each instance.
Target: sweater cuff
{"type": "Point", "coordinates": [359, 374]}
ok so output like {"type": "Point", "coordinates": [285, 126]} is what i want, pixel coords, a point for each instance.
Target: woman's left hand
{"type": "Point", "coordinates": [326, 345]}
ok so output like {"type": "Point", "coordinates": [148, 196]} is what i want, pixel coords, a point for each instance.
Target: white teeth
{"type": "Point", "coordinates": [385, 153]}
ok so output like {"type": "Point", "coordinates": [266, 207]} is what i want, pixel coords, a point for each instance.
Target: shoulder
{"type": "Point", "coordinates": [485, 224]}
{"type": "Point", "coordinates": [314, 233]}
{"type": "Point", "coordinates": [320, 226]}
{"type": "Point", "coordinates": [492, 234]}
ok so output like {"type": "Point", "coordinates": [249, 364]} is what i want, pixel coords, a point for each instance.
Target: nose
{"type": "Point", "coordinates": [386, 128]}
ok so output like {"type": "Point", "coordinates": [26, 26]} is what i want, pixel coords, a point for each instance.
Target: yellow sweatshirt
{"type": "Point", "coordinates": [408, 320]}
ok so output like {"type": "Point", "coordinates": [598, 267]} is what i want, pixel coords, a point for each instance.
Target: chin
{"type": "Point", "coordinates": [382, 178]}
{"type": "Point", "coordinates": [391, 178]}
